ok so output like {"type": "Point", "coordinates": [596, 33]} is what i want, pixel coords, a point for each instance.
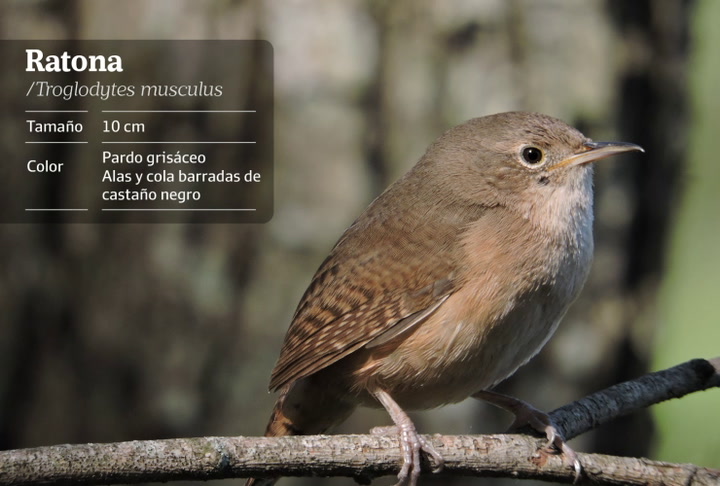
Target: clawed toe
{"type": "Point", "coordinates": [437, 458]}
{"type": "Point", "coordinates": [556, 443]}
{"type": "Point", "coordinates": [526, 414]}
{"type": "Point", "coordinates": [411, 443]}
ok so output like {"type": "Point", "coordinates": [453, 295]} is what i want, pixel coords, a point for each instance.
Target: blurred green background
{"type": "Point", "coordinates": [118, 332]}
{"type": "Point", "coordinates": [688, 316]}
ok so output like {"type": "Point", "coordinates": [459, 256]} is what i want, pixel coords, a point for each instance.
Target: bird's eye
{"type": "Point", "coordinates": [532, 155]}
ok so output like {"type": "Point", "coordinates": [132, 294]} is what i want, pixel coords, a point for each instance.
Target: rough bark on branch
{"type": "Point", "coordinates": [365, 457]}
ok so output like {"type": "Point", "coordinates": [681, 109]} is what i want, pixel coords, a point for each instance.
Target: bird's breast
{"type": "Point", "coordinates": [512, 295]}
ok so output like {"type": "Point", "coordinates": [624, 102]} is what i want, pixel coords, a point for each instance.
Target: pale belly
{"type": "Point", "coordinates": [464, 347]}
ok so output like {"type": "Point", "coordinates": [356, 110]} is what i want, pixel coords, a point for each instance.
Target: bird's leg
{"type": "Point", "coordinates": [526, 414]}
{"type": "Point", "coordinates": [410, 441]}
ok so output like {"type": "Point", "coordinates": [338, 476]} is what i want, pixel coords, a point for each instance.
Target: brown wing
{"type": "Point", "coordinates": [386, 268]}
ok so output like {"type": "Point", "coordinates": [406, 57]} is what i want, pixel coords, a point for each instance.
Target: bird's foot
{"type": "Point", "coordinates": [541, 422]}
{"type": "Point", "coordinates": [410, 441]}
{"type": "Point", "coordinates": [526, 414]}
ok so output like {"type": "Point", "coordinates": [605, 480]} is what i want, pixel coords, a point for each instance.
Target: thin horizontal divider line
{"type": "Point", "coordinates": [179, 111]}
{"type": "Point", "coordinates": [178, 209]}
{"type": "Point", "coordinates": [174, 141]}
{"type": "Point", "coordinates": [56, 209]}
{"type": "Point", "coordinates": [56, 111]}
{"type": "Point", "coordinates": [56, 142]}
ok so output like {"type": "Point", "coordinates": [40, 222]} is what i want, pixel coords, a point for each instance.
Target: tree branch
{"type": "Point", "coordinates": [365, 456]}
{"type": "Point", "coordinates": [625, 398]}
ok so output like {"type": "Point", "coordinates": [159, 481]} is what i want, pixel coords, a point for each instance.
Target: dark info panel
{"type": "Point", "coordinates": [136, 131]}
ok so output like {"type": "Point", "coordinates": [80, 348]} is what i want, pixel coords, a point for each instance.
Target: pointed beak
{"type": "Point", "coordinates": [594, 151]}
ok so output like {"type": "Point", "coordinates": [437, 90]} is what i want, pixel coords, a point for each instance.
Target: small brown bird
{"type": "Point", "coordinates": [450, 280]}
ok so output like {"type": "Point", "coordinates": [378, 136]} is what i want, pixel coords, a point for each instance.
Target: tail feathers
{"type": "Point", "coordinates": [304, 408]}
{"type": "Point", "coordinates": [278, 426]}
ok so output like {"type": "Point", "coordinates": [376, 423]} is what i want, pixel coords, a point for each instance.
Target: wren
{"type": "Point", "coordinates": [453, 278]}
